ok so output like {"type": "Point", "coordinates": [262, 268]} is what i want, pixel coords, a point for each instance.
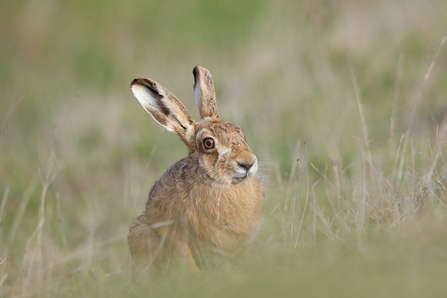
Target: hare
{"type": "Point", "coordinates": [206, 204]}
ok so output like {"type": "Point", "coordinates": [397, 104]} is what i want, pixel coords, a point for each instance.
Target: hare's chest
{"type": "Point", "coordinates": [223, 221]}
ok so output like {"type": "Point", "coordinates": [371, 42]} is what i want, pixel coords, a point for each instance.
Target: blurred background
{"type": "Point", "coordinates": [344, 103]}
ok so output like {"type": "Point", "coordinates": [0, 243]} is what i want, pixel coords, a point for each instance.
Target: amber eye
{"type": "Point", "coordinates": [208, 143]}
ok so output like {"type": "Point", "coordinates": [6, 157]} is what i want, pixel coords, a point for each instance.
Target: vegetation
{"type": "Point", "coordinates": [344, 103]}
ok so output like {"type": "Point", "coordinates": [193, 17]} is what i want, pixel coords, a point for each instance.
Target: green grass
{"type": "Point", "coordinates": [343, 102]}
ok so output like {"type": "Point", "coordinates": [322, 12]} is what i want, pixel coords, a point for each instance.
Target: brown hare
{"type": "Point", "coordinates": [207, 204]}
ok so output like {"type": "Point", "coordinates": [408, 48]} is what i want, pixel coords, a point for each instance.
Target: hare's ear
{"type": "Point", "coordinates": [164, 107]}
{"type": "Point", "coordinates": [205, 93]}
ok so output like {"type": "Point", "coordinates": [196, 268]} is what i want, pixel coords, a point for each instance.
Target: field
{"type": "Point", "coordinates": [344, 103]}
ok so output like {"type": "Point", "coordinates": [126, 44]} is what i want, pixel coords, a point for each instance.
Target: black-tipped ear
{"type": "Point", "coordinates": [164, 107]}
{"type": "Point", "coordinates": [205, 93]}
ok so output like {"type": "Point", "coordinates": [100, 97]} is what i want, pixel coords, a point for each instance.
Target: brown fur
{"type": "Point", "coordinates": [206, 205]}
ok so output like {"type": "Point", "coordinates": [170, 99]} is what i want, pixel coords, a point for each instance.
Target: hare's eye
{"type": "Point", "coordinates": [208, 143]}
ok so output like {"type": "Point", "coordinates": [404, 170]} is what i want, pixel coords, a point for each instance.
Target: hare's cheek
{"type": "Point", "coordinates": [209, 161]}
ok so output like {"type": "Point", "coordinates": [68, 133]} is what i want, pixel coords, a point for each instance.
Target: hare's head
{"type": "Point", "coordinates": [217, 149]}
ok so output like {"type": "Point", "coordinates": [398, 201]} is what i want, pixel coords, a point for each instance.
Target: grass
{"type": "Point", "coordinates": [344, 103]}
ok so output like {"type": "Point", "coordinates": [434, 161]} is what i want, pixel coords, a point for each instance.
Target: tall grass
{"type": "Point", "coordinates": [343, 102]}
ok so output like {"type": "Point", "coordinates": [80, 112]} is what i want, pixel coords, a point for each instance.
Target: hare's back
{"type": "Point", "coordinates": [168, 196]}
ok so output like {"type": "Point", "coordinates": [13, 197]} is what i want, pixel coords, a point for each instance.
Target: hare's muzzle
{"type": "Point", "coordinates": [247, 166]}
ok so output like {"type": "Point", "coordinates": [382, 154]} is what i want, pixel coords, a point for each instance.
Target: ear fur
{"type": "Point", "coordinates": [205, 93]}
{"type": "Point", "coordinates": [164, 107]}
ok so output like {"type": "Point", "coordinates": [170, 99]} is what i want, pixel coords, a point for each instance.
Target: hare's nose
{"type": "Point", "coordinates": [246, 165]}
